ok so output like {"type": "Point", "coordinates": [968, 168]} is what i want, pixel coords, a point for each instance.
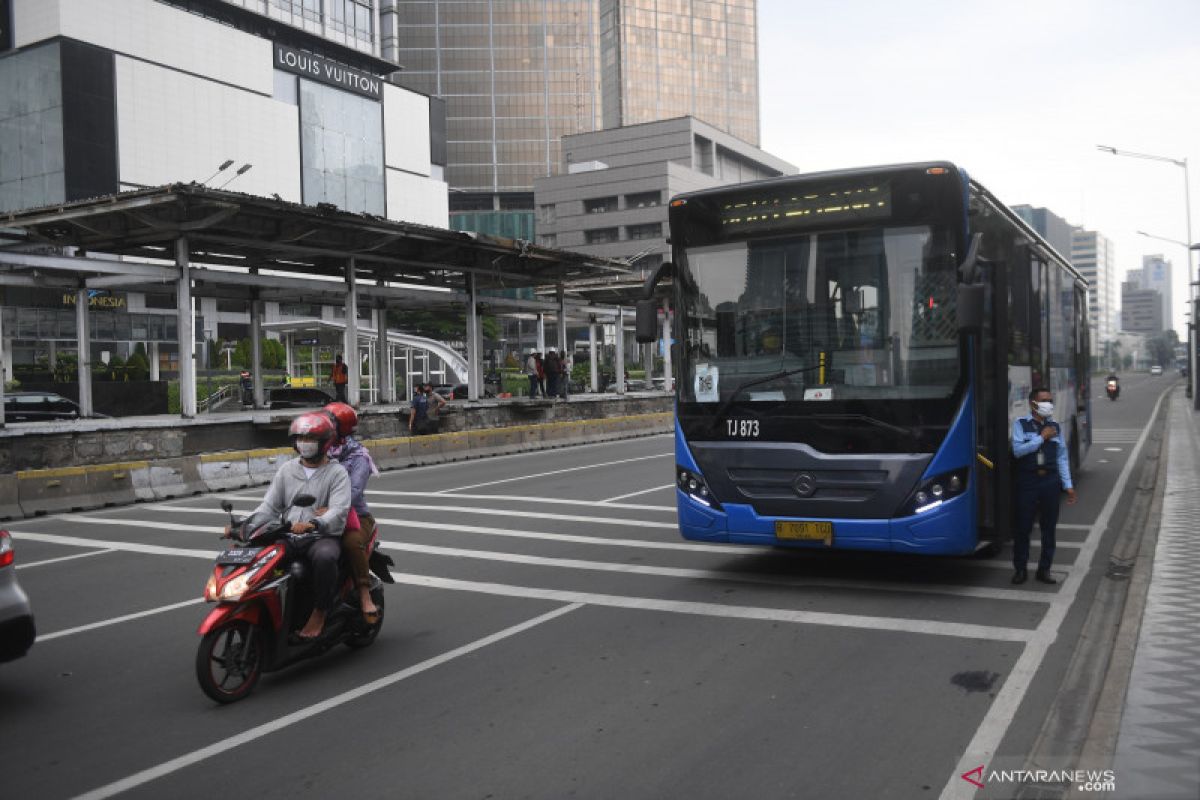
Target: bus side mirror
{"type": "Point", "coordinates": [647, 321]}
{"type": "Point", "coordinates": [970, 307]}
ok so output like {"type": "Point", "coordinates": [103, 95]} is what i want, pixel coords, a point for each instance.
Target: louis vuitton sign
{"type": "Point", "coordinates": [328, 72]}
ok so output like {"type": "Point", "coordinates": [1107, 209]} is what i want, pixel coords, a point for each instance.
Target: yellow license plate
{"type": "Point", "coordinates": [805, 531]}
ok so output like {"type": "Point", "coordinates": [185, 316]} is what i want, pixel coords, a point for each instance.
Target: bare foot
{"type": "Point", "coordinates": [364, 600]}
{"type": "Point", "coordinates": [316, 623]}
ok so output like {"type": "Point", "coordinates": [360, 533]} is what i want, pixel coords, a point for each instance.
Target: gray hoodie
{"type": "Point", "coordinates": [329, 484]}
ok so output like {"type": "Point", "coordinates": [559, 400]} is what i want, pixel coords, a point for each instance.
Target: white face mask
{"type": "Point", "coordinates": [1045, 409]}
{"type": "Point", "coordinates": [307, 449]}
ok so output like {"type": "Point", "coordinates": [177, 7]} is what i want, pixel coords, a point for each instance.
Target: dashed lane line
{"type": "Point", "coordinates": [104, 623]}
{"type": "Point", "coordinates": [635, 494]}
{"type": "Point", "coordinates": [46, 561]}
{"type": "Point", "coordinates": [523, 499]}
{"type": "Point", "coordinates": [233, 742]}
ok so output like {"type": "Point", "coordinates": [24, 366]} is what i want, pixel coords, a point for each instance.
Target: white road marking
{"type": "Point", "coordinates": [556, 472]}
{"type": "Point", "coordinates": [32, 564]}
{"type": "Point", "coordinates": [724, 575]}
{"type": "Point", "coordinates": [986, 741]}
{"type": "Point", "coordinates": [127, 547]}
{"type": "Point", "coordinates": [522, 499]}
{"type": "Point", "coordinates": [930, 627]}
{"type": "Point", "coordinates": [1113, 449]}
{"type": "Point", "coordinates": [104, 623]}
{"type": "Point", "coordinates": [635, 494]}
{"type": "Point", "coordinates": [259, 731]}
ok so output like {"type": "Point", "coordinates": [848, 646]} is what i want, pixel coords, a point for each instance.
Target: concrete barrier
{"type": "Point", "coordinates": [176, 477]}
{"type": "Point", "coordinates": [49, 491]}
{"type": "Point", "coordinates": [221, 471]}
{"type": "Point", "coordinates": [10, 504]}
{"type": "Point", "coordinates": [426, 449]}
{"type": "Point", "coordinates": [119, 484]}
{"type": "Point", "coordinates": [390, 453]}
{"type": "Point", "coordinates": [495, 441]}
{"type": "Point", "coordinates": [456, 446]}
{"type": "Point", "coordinates": [262, 464]}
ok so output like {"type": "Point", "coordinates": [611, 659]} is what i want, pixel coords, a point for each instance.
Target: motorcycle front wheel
{"type": "Point", "coordinates": [229, 661]}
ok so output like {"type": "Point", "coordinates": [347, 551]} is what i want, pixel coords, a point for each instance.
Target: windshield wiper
{"type": "Point", "coordinates": [878, 422]}
{"type": "Point", "coordinates": [721, 409]}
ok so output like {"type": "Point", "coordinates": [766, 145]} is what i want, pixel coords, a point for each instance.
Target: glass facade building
{"type": "Point", "coordinates": [517, 75]}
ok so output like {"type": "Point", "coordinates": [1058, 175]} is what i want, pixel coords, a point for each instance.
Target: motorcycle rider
{"type": "Point", "coordinates": [1112, 384]}
{"type": "Point", "coordinates": [354, 456]}
{"type": "Point", "coordinates": [315, 530]}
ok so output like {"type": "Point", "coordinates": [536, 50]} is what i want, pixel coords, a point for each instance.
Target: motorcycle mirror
{"type": "Point", "coordinates": [226, 506]}
{"type": "Point", "coordinates": [304, 500]}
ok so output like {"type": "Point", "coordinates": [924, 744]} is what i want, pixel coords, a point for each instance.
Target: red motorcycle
{"type": "Point", "coordinates": [263, 597]}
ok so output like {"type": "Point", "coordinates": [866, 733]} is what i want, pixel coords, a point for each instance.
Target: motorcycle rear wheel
{"type": "Point", "coordinates": [230, 661]}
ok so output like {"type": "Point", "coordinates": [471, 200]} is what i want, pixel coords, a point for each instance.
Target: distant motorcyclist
{"type": "Point", "coordinates": [316, 530]}
{"type": "Point", "coordinates": [354, 456]}
{"type": "Point", "coordinates": [1112, 385]}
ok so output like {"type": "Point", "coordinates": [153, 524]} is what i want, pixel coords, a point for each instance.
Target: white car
{"type": "Point", "coordinates": [1156, 370]}
{"type": "Point", "coordinates": [16, 619]}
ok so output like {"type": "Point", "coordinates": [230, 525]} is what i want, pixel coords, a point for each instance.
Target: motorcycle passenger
{"type": "Point", "coordinates": [1113, 385]}
{"type": "Point", "coordinates": [355, 457]}
{"type": "Point", "coordinates": [315, 531]}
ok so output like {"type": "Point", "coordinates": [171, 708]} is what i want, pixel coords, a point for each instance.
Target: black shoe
{"type": "Point", "coordinates": [1045, 577]}
{"type": "Point", "coordinates": [1019, 576]}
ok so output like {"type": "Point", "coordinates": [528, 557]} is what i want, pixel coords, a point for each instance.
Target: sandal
{"type": "Point", "coordinates": [372, 617]}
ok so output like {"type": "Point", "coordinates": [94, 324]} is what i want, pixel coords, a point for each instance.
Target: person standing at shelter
{"type": "Point", "coordinates": [340, 376]}
{"type": "Point", "coordinates": [531, 369]}
{"type": "Point", "coordinates": [551, 366]}
{"type": "Point", "coordinates": [425, 404]}
{"type": "Point", "coordinates": [1043, 474]}
{"type": "Point", "coordinates": [564, 375]}
{"type": "Point", "coordinates": [541, 372]}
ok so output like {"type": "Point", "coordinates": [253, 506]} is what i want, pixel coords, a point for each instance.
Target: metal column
{"type": "Point", "coordinates": [153, 355]}
{"type": "Point", "coordinates": [256, 375]}
{"type": "Point", "coordinates": [474, 344]}
{"type": "Point", "coordinates": [350, 345]}
{"type": "Point", "coordinates": [4, 367]}
{"type": "Point", "coordinates": [385, 376]}
{"type": "Point", "coordinates": [187, 337]}
{"type": "Point", "coordinates": [561, 295]}
{"type": "Point", "coordinates": [592, 366]}
{"type": "Point", "coordinates": [541, 333]}
{"type": "Point", "coordinates": [620, 350]}
{"type": "Point", "coordinates": [84, 348]}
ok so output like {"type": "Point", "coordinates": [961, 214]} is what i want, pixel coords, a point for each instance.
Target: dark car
{"type": "Point", "coordinates": [38, 407]}
{"type": "Point", "coordinates": [298, 397]}
{"type": "Point", "coordinates": [451, 391]}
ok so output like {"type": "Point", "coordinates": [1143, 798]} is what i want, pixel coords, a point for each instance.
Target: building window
{"type": "Point", "coordinates": [599, 205]}
{"type": "Point", "coordinates": [341, 149]}
{"type": "Point", "coordinates": [546, 214]}
{"type": "Point", "coordinates": [352, 17]}
{"type": "Point", "coordinates": [601, 236]}
{"type": "Point", "coordinates": [548, 240]}
{"type": "Point", "coordinates": [651, 230]}
{"type": "Point", "coordinates": [643, 200]}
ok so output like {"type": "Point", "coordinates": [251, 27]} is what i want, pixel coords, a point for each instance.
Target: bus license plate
{"type": "Point", "coordinates": [805, 531]}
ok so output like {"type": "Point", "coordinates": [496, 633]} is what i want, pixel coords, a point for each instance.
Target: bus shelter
{"type": "Point", "coordinates": [209, 242]}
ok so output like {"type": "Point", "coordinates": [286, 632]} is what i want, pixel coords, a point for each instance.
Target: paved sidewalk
{"type": "Point", "coordinates": [1158, 746]}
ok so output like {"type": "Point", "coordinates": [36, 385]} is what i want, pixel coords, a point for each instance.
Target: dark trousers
{"type": "Point", "coordinates": [533, 385]}
{"type": "Point", "coordinates": [339, 389]}
{"type": "Point", "coordinates": [322, 556]}
{"type": "Point", "coordinates": [1040, 496]}
{"type": "Point", "coordinates": [551, 385]}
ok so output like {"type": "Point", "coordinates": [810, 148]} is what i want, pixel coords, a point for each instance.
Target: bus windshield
{"type": "Point", "coordinates": [863, 314]}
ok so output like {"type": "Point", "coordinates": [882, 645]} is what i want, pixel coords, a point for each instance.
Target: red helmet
{"type": "Point", "coordinates": [314, 424]}
{"type": "Point", "coordinates": [345, 418]}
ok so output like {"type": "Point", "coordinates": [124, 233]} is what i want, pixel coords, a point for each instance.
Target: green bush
{"type": "Point", "coordinates": [137, 368]}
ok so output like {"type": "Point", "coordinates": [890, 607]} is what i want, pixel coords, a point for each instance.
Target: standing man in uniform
{"type": "Point", "coordinates": [1043, 474]}
{"type": "Point", "coordinates": [340, 376]}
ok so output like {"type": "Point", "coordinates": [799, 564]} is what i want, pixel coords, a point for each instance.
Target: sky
{"type": "Point", "coordinates": [1018, 93]}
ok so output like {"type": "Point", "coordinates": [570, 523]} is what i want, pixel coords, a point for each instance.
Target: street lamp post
{"type": "Point", "coordinates": [1187, 200]}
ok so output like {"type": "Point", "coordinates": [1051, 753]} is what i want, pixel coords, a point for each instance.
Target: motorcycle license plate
{"type": "Point", "coordinates": [805, 531]}
{"type": "Point", "coordinates": [237, 555]}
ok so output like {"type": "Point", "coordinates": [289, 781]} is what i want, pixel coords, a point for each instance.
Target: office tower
{"type": "Point", "coordinates": [1093, 254]}
{"type": "Point", "coordinates": [1053, 228]}
{"type": "Point", "coordinates": [517, 76]}
{"type": "Point", "coordinates": [1141, 308]}
{"type": "Point", "coordinates": [1156, 274]}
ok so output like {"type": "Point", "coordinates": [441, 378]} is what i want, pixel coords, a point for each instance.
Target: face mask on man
{"type": "Point", "coordinates": [307, 449]}
{"type": "Point", "coordinates": [1045, 409]}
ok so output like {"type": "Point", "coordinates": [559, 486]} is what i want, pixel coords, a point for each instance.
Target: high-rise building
{"type": "Point", "coordinates": [517, 76]}
{"type": "Point", "coordinates": [1093, 254]}
{"type": "Point", "coordinates": [1156, 274]}
{"type": "Point", "coordinates": [1053, 228]}
{"type": "Point", "coordinates": [1141, 309]}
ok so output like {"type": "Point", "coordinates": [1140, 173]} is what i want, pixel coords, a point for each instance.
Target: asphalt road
{"type": "Point", "coordinates": [551, 636]}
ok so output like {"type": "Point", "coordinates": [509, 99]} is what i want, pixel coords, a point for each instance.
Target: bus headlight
{"type": "Point", "coordinates": [932, 492]}
{"type": "Point", "coordinates": [693, 486]}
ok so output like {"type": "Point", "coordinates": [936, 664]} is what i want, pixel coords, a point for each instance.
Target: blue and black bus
{"type": "Point", "coordinates": [851, 350]}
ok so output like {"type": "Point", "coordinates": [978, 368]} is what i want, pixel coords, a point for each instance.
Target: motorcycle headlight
{"type": "Point", "coordinates": [210, 589]}
{"type": "Point", "coordinates": [237, 587]}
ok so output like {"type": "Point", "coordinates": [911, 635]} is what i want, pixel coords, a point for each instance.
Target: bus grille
{"type": "Point", "coordinates": [846, 485]}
